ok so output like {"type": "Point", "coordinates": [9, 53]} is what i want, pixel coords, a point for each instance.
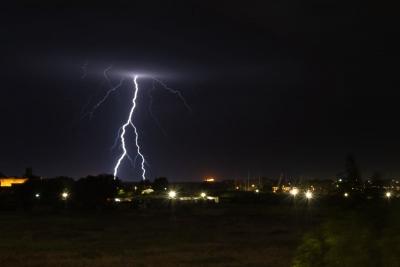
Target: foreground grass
{"type": "Point", "coordinates": [366, 235]}
{"type": "Point", "coordinates": [239, 235]}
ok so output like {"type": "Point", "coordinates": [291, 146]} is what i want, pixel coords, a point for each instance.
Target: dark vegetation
{"type": "Point", "coordinates": [88, 192]}
{"type": "Point", "coordinates": [367, 235]}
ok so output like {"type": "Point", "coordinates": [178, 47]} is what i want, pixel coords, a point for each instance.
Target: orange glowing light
{"type": "Point", "coordinates": [210, 180]}
{"type": "Point", "coordinates": [8, 182]}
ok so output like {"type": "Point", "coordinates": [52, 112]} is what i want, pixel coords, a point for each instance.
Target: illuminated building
{"type": "Point", "coordinates": [10, 181]}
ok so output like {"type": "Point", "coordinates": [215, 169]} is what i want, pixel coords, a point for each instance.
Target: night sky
{"type": "Point", "coordinates": [275, 86]}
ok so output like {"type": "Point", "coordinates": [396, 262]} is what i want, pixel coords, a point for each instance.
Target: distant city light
{"type": "Point", "coordinates": [388, 194]}
{"type": "Point", "coordinates": [253, 185]}
{"type": "Point", "coordinates": [203, 195]}
{"type": "Point", "coordinates": [172, 194]}
{"type": "Point", "coordinates": [257, 191]}
{"type": "Point", "coordinates": [65, 195]}
{"type": "Point", "coordinates": [209, 179]}
{"type": "Point", "coordinates": [309, 195]}
{"type": "Point", "coordinates": [294, 191]}
{"type": "Point", "coordinates": [37, 195]}
{"type": "Point", "coordinates": [10, 181]}
{"type": "Point", "coordinates": [346, 194]}
{"type": "Point", "coordinates": [147, 191]}
{"type": "Point", "coordinates": [117, 199]}
{"type": "Point", "coordinates": [237, 187]}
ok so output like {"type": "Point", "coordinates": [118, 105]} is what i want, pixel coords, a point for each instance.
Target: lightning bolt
{"type": "Point", "coordinates": [105, 74]}
{"type": "Point", "coordinates": [175, 92]}
{"type": "Point", "coordinates": [151, 110]}
{"type": "Point", "coordinates": [105, 97]}
{"type": "Point", "coordinates": [129, 122]}
{"type": "Point", "coordinates": [121, 135]}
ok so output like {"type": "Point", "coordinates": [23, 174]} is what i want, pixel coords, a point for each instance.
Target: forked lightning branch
{"type": "Point", "coordinates": [129, 123]}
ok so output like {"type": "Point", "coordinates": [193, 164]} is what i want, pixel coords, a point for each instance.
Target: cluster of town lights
{"type": "Point", "coordinates": [295, 191]}
{"type": "Point", "coordinates": [172, 194]}
{"type": "Point", "coordinates": [309, 195]}
{"type": "Point", "coordinates": [64, 195]}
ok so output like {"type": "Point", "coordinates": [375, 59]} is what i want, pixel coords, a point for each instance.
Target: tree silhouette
{"type": "Point", "coordinates": [160, 184]}
{"type": "Point", "coordinates": [352, 176]}
{"type": "Point", "coordinates": [374, 187]}
{"type": "Point", "coordinates": [28, 172]}
{"type": "Point", "coordinates": [48, 190]}
{"type": "Point", "coordinates": [376, 179]}
{"type": "Point", "coordinates": [95, 191]}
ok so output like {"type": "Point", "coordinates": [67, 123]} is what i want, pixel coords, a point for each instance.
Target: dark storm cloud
{"type": "Point", "coordinates": [280, 86]}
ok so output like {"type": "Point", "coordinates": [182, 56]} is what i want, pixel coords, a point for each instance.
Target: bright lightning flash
{"type": "Point", "coordinates": [129, 122]}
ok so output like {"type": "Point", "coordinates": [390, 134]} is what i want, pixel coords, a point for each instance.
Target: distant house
{"type": "Point", "coordinates": [10, 181]}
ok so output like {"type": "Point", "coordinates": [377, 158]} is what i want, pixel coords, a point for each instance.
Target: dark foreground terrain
{"type": "Point", "coordinates": [222, 235]}
{"type": "Point", "coordinates": [217, 235]}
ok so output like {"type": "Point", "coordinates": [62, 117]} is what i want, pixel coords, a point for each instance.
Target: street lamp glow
{"type": "Point", "coordinates": [172, 194]}
{"type": "Point", "coordinates": [257, 191]}
{"type": "Point", "coordinates": [37, 195]}
{"type": "Point", "coordinates": [64, 195]}
{"type": "Point", "coordinates": [203, 195]}
{"type": "Point", "coordinates": [294, 191]}
{"type": "Point", "coordinates": [346, 194]}
{"type": "Point", "coordinates": [309, 195]}
{"type": "Point", "coordinates": [388, 194]}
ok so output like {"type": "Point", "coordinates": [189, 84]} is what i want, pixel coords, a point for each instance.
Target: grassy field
{"type": "Point", "coordinates": [221, 235]}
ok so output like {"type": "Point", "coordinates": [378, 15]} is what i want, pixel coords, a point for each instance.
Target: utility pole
{"type": "Point", "coordinates": [248, 180]}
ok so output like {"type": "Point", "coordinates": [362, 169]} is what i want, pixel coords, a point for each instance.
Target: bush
{"type": "Point", "coordinates": [370, 237]}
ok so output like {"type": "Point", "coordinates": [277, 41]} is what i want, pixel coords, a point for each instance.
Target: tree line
{"type": "Point", "coordinates": [94, 192]}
